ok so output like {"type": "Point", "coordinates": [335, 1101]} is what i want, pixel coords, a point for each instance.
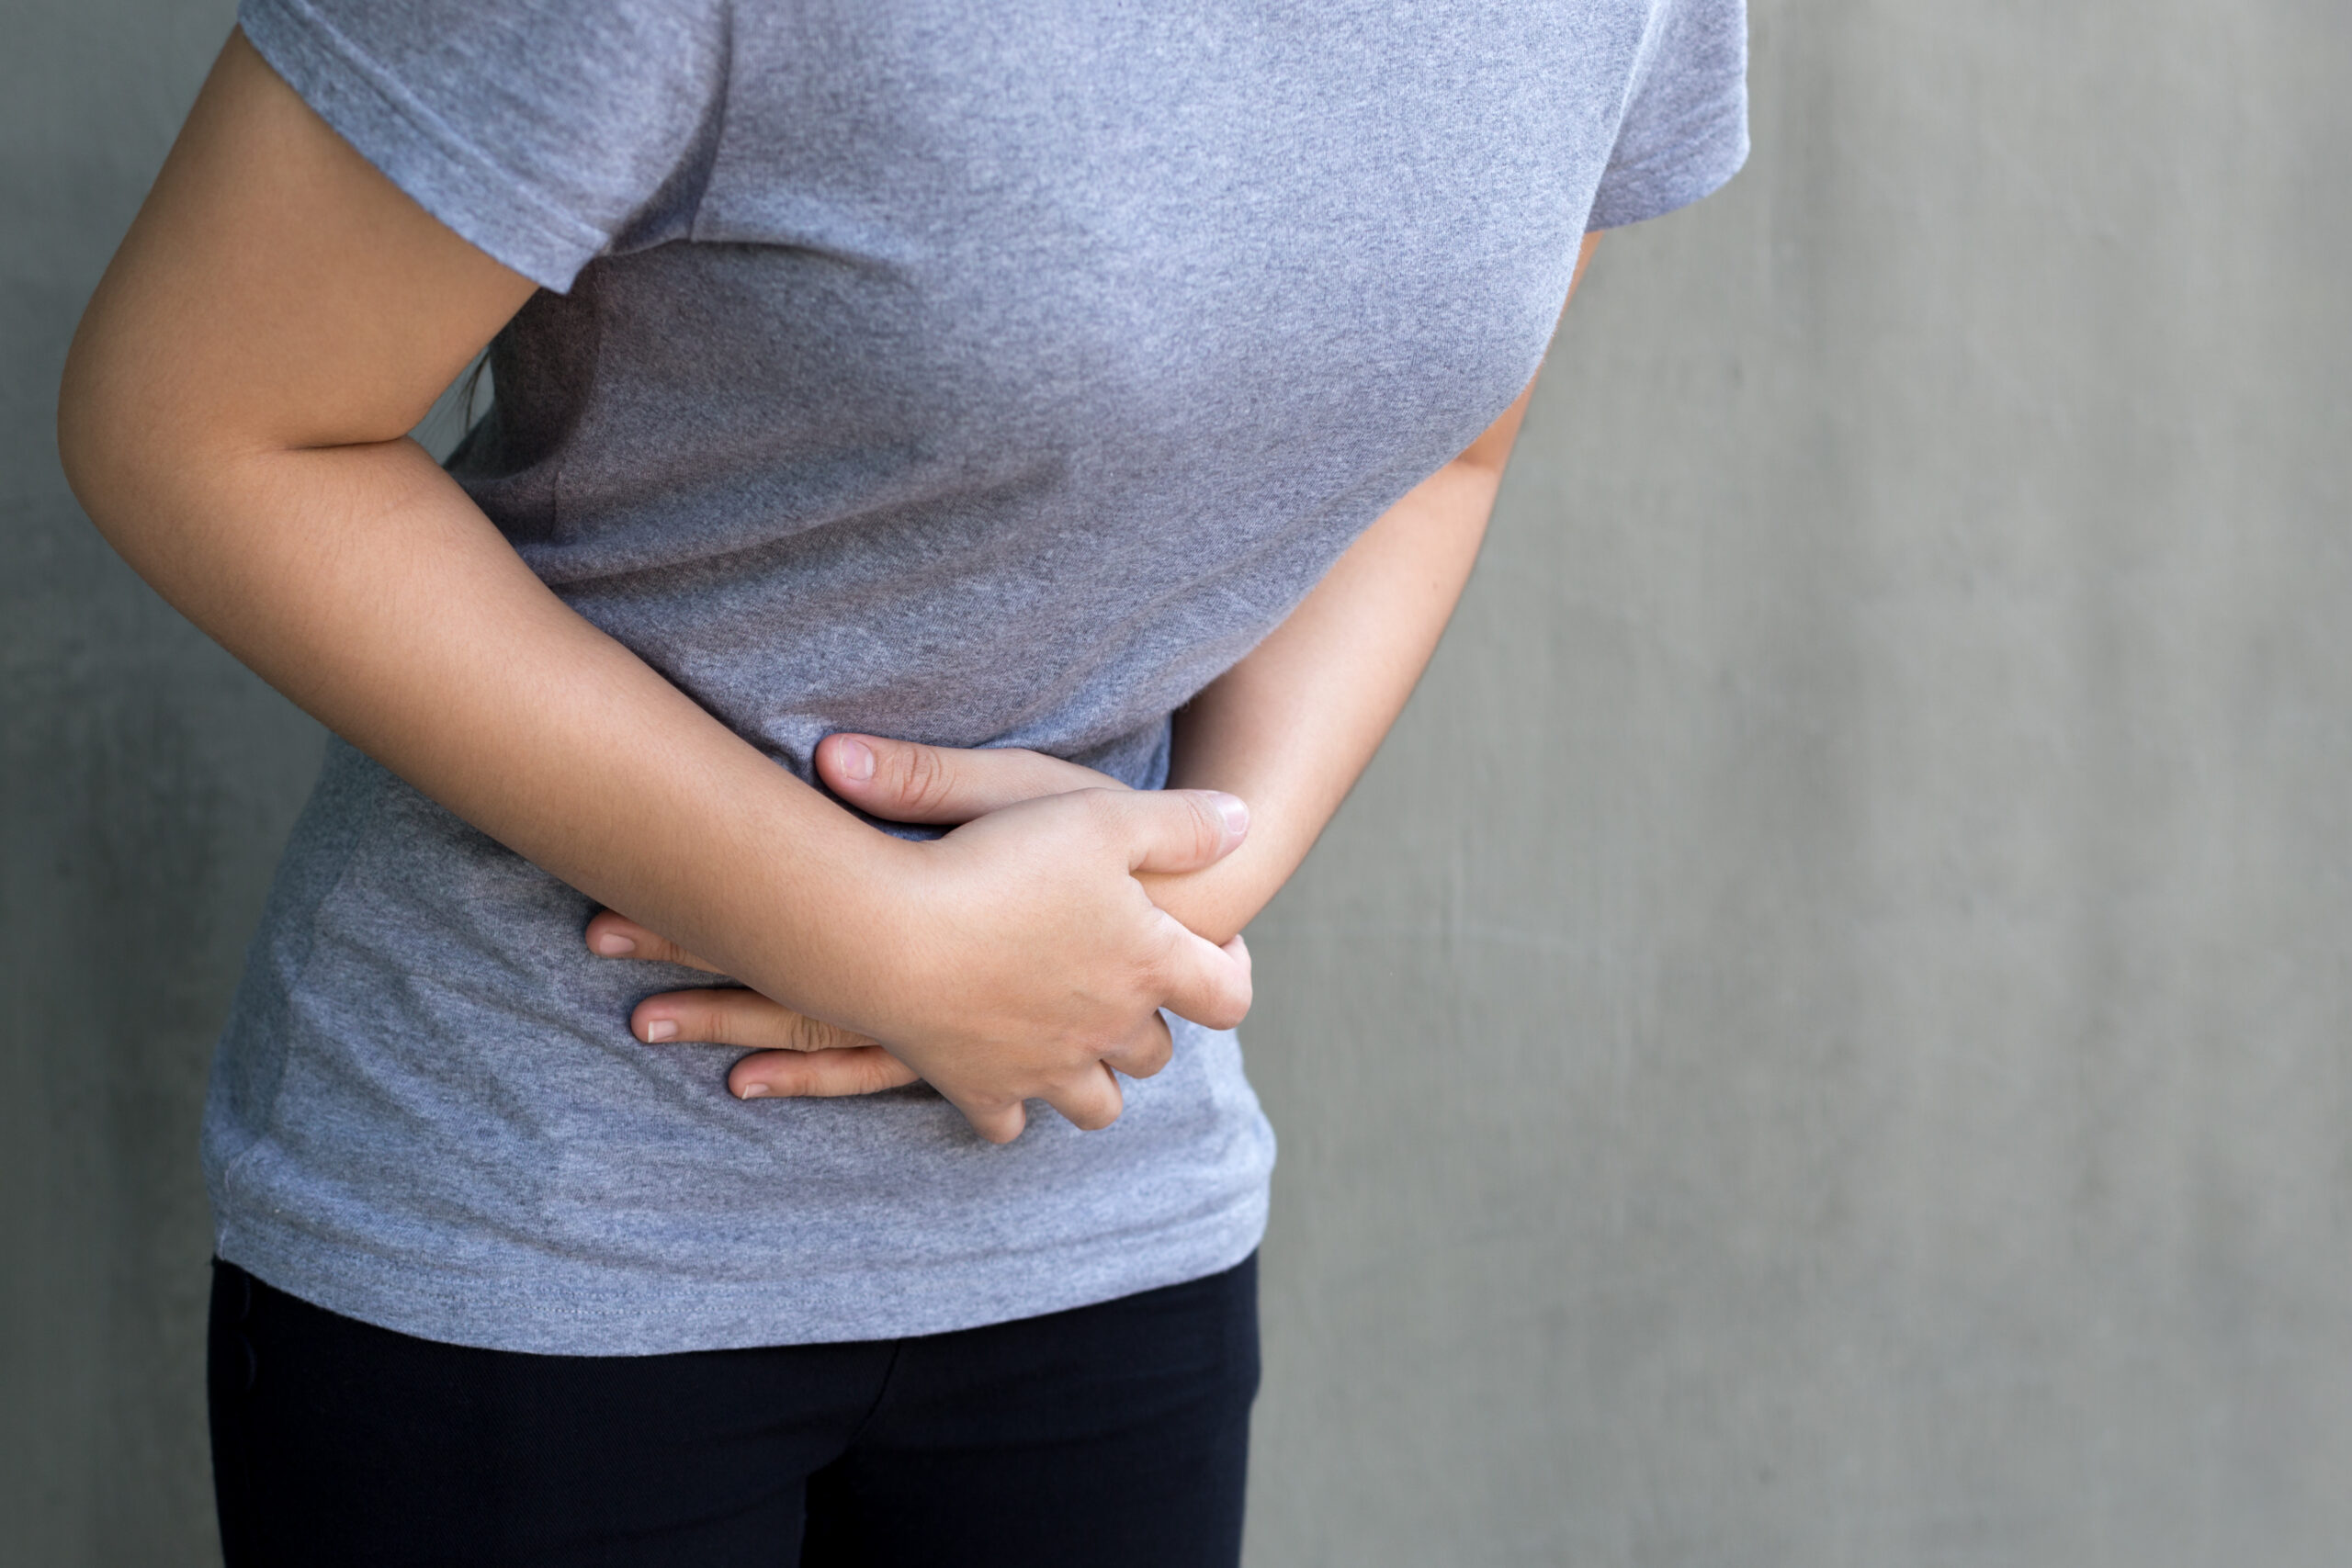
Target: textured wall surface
{"type": "Point", "coordinates": [146, 781]}
{"type": "Point", "coordinates": [1822, 1041]}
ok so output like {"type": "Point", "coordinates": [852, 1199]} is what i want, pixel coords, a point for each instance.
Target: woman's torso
{"type": "Point", "coordinates": [981, 375]}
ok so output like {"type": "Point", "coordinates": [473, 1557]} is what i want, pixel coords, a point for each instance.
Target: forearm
{"type": "Point", "coordinates": [360, 580]}
{"type": "Point", "coordinates": [232, 418]}
{"type": "Point", "coordinates": [1290, 728]}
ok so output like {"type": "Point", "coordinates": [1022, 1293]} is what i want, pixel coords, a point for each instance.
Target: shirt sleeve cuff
{"type": "Point", "coordinates": [1700, 164]}
{"type": "Point", "coordinates": [466, 188]}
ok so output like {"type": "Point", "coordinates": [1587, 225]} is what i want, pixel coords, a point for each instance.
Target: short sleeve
{"type": "Point", "coordinates": [1684, 131]}
{"type": "Point", "coordinates": [543, 131]}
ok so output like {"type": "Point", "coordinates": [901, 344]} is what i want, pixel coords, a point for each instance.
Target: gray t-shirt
{"type": "Point", "coordinates": [989, 374]}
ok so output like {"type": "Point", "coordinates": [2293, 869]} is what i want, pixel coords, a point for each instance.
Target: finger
{"type": "Point", "coordinates": [1201, 982]}
{"type": "Point", "coordinates": [901, 781]}
{"type": "Point", "coordinates": [1145, 1051]}
{"type": "Point", "coordinates": [998, 1123]}
{"type": "Point", "coordinates": [814, 1075]}
{"type": "Point", "coordinates": [1174, 830]}
{"type": "Point", "coordinates": [1091, 1101]}
{"type": "Point", "coordinates": [617, 936]}
{"type": "Point", "coordinates": [727, 1016]}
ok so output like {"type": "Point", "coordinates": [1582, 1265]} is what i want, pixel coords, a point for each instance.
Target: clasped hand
{"type": "Point", "coordinates": [1033, 965]}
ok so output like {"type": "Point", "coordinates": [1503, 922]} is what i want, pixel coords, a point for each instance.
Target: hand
{"type": "Point", "coordinates": [797, 1055]}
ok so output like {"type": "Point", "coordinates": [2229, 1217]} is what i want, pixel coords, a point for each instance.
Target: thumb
{"type": "Point", "coordinates": [904, 781]}
{"type": "Point", "coordinates": [1174, 830]}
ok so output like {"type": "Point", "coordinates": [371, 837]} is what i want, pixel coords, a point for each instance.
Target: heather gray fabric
{"type": "Point", "coordinates": [989, 374]}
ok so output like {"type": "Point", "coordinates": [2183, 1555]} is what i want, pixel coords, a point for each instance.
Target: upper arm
{"type": "Point", "coordinates": [275, 292]}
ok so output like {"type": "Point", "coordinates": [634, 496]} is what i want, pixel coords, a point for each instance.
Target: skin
{"type": "Point", "coordinates": [233, 420]}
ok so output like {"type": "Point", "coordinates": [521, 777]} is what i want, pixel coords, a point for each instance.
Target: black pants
{"type": "Point", "coordinates": [1114, 1435]}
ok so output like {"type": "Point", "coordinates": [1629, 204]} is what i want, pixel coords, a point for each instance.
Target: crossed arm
{"type": "Point", "coordinates": [232, 419]}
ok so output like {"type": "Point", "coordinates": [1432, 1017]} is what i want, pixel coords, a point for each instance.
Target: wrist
{"type": "Point", "coordinates": [823, 928]}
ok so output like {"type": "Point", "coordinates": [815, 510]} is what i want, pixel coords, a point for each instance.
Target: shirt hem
{"type": "Point", "coordinates": [819, 1307]}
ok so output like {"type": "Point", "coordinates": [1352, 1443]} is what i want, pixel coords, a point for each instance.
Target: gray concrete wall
{"type": "Point", "coordinates": [145, 784]}
{"type": "Point", "coordinates": [1823, 1039]}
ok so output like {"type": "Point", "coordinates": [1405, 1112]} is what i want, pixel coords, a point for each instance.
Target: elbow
{"type": "Point", "coordinates": [93, 444]}
{"type": "Point", "coordinates": [81, 433]}
{"type": "Point", "coordinates": [124, 441]}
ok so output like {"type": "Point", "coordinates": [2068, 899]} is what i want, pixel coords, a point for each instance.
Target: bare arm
{"type": "Point", "coordinates": [1292, 727]}
{"type": "Point", "coordinates": [232, 420]}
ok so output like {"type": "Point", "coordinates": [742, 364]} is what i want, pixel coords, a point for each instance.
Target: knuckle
{"type": "Point", "coordinates": [1230, 1009]}
{"type": "Point", "coordinates": [926, 779]}
{"type": "Point", "coordinates": [1158, 1052]}
{"type": "Point", "coordinates": [1100, 810]}
{"type": "Point", "coordinates": [815, 1077]}
{"type": "Point", "coordinates": [1208, 827]}
{"type": "Point", "coordinates": [877, 1069]}
{"type": "Point", "coordinates": [704, 1018]}
{"type": "Point", "coordinates": [1162, 958]}
{"type": "Point", "coordinates": [766, 1068]}
{"type": "Point", "coordinates": [800, 1076]}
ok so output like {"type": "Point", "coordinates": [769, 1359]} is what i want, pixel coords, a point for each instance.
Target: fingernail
{"type": "Point", "coordinates": [657, 1029]}
{"type": "Point", "coordinates": [857, 759]}
{"type": "Point", "coordinates": [1236, 812]}
{"type": "Point", "coordinates": [611, 944]}
{"type": "Point", "coordinates": [753, 1091]}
